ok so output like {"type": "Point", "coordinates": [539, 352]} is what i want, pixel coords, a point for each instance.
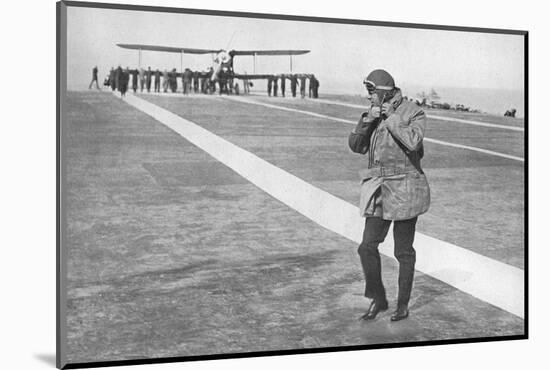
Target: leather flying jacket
{"type": "Point", "coordinates": [394, 185]}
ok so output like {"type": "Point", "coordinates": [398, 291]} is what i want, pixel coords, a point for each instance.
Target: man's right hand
{"type": "Point", "coordinates": [363, 123]}
{"type": "Point", "coordinates": [375, 112]}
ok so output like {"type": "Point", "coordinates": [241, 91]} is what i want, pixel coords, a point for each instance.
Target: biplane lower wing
{"type": "Point", "coordinates": [269, 52]}
{"type": "Point", "coordinates": [265, 76]}
{"type": "Point", "coordinates": [252, 76]}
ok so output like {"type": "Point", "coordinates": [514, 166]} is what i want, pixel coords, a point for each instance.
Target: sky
{"type": "Point", "coordinates": [341, 55]}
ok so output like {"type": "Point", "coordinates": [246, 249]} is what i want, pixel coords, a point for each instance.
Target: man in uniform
{"type": "Point", "coordinates": [302, 86]}
{"type": "Point", "coordinates": [203, 76]}
{"type": "Point", "coordinates": [315, 87]}
{"type": "Point", "coordinates": [174, 80]}
{"type": "Point", "coordinates": [157, 80]}
{"type": "Point", "coordinates": [275, 85]}
{"type": "Point", "coordinates": [293, 84]}
{"type": "Point", "coordinates": [165, 80]}
{"type": "Point", "coordinates": [283, 85]}
{"type": "Point", "coordinates": [134, 80]}
{"type": "Point", "coordinates": [123, 81]}
{"type": "Point", "coordinates": [148, 78]}
{"type": "Point", "coordinates": [269, 85]}
{"type": "Point", "coordinates": [171, 80]}
{"type": "Point", "coordinates": [196, 81]}
{"type": "Point", "coordinates": [112, 79]}
{"type": "Point", "coordinates": [186, 80]}
{"type": "Point", "coordinates": [211, 84]}
{"type": "Point", "coordinates": [394, 187]}
{"type": "Point", "coordinates": [141, 79]}
{"type": "Point", "coordinates": [118, 76]}
{"type": "Point", "coordinates": [94, 79]}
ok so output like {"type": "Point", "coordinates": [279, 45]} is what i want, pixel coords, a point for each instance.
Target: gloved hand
{"type": "Point", "coordinates": [366, 120]}
{"type": "Point", "coordinates": [359, 138]}
{"type": "Point", "coordinates": [385, 110]}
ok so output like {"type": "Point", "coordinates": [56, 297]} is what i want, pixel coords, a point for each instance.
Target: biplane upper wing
{"type": "Point", "coordinates": [168, 49]}
{"type": "Point", "coordinates": [269, 52]}
{"type": "Point", "coordinates": [175, 49]}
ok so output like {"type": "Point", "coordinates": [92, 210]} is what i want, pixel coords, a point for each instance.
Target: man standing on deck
{"type": "Point", "coordinates": [275, 85]}
{"type": "Point", "coordinates": [141, 79]}
{"type": "Point", "coordinates": [173, 80]}
{"type": "Point", "coordinates": [293, 84]}
{"type": "Point", "coordinates": [196, 81]}
{"type": "Point", "coordinates": [134, 80]}
{"type": "Point", "coordinates": [315, 88]}
{"type": "Point", "coordinates": [165, 80]}
{"type": "Point", "coordinates": [269, 85]}
{"type": "Point", "coordinates": [123, 81]}
{"type": "Point", "coordinates": [148, 78]}
{"type": "Point", "coordinates": [186, 80]}
{"type": "Point", "coordinates": [157, 81]}
{"type": "Point", "coordinates": [203, 76]}
{"type": "Point", "coordinates": [118, 76]}
{"type": "Point", "coordinates": [302, 86]}
{"type": "Point", "coordinates": [112, 78]}
{"type": "Point", "coordinates": [394, 187]}
{"type": "Point", "coordinates": [94, 79]}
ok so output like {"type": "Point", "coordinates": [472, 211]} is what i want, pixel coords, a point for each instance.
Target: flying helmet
{"type": "Point", "coordinates": [381, 83]}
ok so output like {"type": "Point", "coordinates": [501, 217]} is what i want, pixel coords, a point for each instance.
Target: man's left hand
{"type": "Point", "coordinates": [387, 109]}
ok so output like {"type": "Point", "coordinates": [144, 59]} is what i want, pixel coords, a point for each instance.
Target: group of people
{"type": "Point", "coordinates": [296, 80]}
{"type": "Point", "coordinates": [121, 80]}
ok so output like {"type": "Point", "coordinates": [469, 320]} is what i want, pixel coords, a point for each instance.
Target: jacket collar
{"type": "Point", "coordinates": [395, 101]}
{"type": "Point", "coordinates": [397, 98]}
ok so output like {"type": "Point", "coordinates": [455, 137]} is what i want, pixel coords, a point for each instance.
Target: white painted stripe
{"type": "Point", "coordinates": [441, 118]}
{"type": "Point", "coordinates": [491, 281]}
{"type": "Point", "coordinates": [176, 95]}
{"type": "Point", "coordinates": [477, 123]}
{"type": "Point", "coordinates": [344, 104]}
{"type": "Point", "coordinates": [486, 151]}
{"type": "Point", "coordinates": [441, 142]}
{"type": "Point", "coordinates": [318, 115]}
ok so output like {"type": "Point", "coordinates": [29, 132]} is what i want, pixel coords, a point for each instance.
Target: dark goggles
{"type": "Point", "coordinates": [371, 88]}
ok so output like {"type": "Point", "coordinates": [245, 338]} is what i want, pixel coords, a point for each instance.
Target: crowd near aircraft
{"type": "Point", "coordinates": [220, 73]}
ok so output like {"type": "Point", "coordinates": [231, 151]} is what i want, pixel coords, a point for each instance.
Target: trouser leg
{"type": "Point", "coordinates": [403, 234]}
{"type": "Point", "coordinates": [374, 233]}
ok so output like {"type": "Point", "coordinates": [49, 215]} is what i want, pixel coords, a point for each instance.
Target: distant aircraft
{"type": "Point", "coordinates": [222, 59]}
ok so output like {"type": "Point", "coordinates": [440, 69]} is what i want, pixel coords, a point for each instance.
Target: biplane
{"type": "Point", "coordinates": [222, 60]}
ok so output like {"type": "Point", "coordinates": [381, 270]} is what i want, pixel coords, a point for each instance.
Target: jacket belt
{"type": "Point", "coordinates": [367, 173]}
